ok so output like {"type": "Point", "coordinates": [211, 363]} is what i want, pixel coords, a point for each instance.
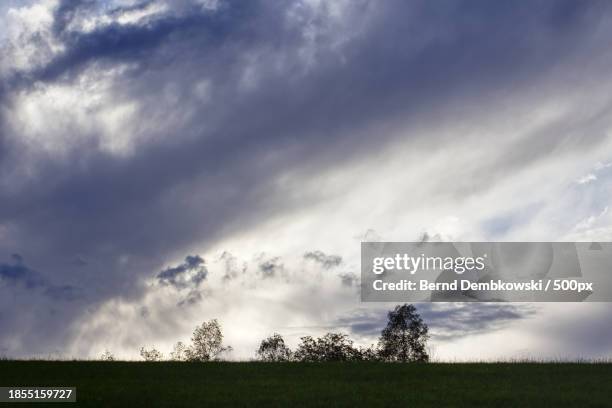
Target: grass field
{"type": "Point", "coordinates": [131, 384]}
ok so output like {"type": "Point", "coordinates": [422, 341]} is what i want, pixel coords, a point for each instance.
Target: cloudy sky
{"type": "Point", "coordinates": [165, 162]}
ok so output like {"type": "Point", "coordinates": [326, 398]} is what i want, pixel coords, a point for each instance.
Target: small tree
{"type": "Point", "coordinates": [151, 355]}
{"type": "Point", "coordinates": [405, 337]}
{"type": "Point", "coordinates": [207, 342]}
{"type": "Point", "coordinates": [179, 353]}
{"type": "Point", "coordinates": [273, 349]}
{"type": "Point", "coordinates": [107, 356]}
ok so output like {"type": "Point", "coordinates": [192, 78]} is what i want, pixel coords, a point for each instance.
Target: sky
{"type": "Point", "coordinates": [167, 162]}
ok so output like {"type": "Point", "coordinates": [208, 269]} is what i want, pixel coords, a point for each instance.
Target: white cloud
{"type": "Point", "coordinates": [601, 166]}
{"type": "Point", "coordinates": [587, 179]}
{"type": "Point", "coordinates": [302, 301]}
{"type": "Point", "coordinates": [28, 41]}
{"type": "Point", "coordinates": [96, 19]}
{"type": "Point", "coordinates": [56, 118]}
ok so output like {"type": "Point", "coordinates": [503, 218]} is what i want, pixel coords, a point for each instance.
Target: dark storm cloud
{"type": "Point", "coordinates": [141, 42]}
{"type": "Point", "coordinates": [271, 268]}
{"type": "Point", "coordinates": [197, 177]}
{"type": "Point", "coordinates": [17, 273]}
{"type": "Point", "coordinates": [326, 261]}
{"type": "Point", "coordinates": [28, 301]}
{"type": "Point", "coordinates": [580, 334]}
{"type": "Point", "coordinates": [188, 274]}
{"type": "Point", "coordinates": [446, 321]}
{"type": "Point", "coordinates": [64, 292]}
{"type": "Point", "coordinates": [455, 321]}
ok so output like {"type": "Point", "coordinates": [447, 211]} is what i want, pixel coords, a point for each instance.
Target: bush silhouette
{"type": "Point", "coordinates": [330, 347]}
{"type": "Point", "coordinates": [151, 355]}
{"type": "Point", "coordinates": [107, 356]}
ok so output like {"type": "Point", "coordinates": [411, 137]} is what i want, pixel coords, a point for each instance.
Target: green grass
{"type": "Point", "coordinates": [130, 384]}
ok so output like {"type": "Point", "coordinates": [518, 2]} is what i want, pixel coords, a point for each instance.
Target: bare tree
{"type": "Point", "coordinates": [151, 355]}
{"type": "Point", "coordinates": [207, 342]}
{"type": "Point", "coordinates": [405, 337]}
{"type": "Point", "coordinates": [273, 349]}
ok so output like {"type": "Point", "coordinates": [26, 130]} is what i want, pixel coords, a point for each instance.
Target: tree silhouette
{"type": "Point", "coordinates": [107, 356]}
{"type": "Point", "coordinates": [179, 353]}
{"type": "Point", "coordinates": [330, 347]}
{"type": "Point", "coordinates": [405, 337]}
{"type": "Point", "coordinates": [151, 355]}
{"type": "Point", "coordinates": [207, 342]}
{"type": "Point", "coordinates": [273, 349]}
